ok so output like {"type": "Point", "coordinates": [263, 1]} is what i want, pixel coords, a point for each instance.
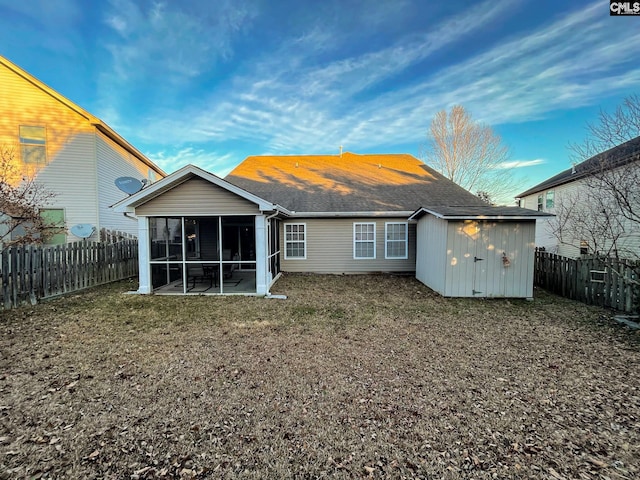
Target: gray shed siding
{"type": "Point", "coordinates": [464, 276]}
{"type": "Point", "coordinates": [430, 267]}
{"type": "Point", "coordinates": [197, 197]}
{"type": "Point", "coordinates": [330, 247]}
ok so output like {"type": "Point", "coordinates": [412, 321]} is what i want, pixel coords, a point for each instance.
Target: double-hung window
{"type": "Point", "coordinates": [540, 204]}
{"type": "Point", "coordinates": [295, 241]}
{"type": "Point", "coordinates": [549, 200]}
{"type": "Point", "coordinates": [33, 146]}
{"type": "Point", "coordinates": [364, 240]}
{"type": "Point", "coordinates": [395, 240]}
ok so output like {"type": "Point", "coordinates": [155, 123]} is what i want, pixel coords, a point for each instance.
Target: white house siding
{"type": "Point", "coordinates": [70, 145]}
{"type": "Point", "coordinates": [570, 247]}
{"type": "Point", "coordinates": [330, 247]}
{"type": "Point", "coordinates": [431, 263]}
{"type": "Point", "coordinates": [197, 197]}
{"type": "Point", "coordinates": [114, 161]}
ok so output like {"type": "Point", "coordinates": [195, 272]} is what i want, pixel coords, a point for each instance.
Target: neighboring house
{"type": "Point", "coordinates": [72, 153]}
{"type": "Point", "coordinates": [327, 214]}
{"type": "Point", "coordinates": [576, 185]}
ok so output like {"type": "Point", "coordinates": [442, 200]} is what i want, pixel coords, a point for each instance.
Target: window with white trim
{"type": "Point", "coordinates": [33, 142]}
{"type": "Point", "coordinates": [295, 241]}
{"type": "Point", "coordinates": [364, 240]}
{"type": "Point", "coordinates": [549, 202]}
{"type": "Point", "coordinates": [396, 237]}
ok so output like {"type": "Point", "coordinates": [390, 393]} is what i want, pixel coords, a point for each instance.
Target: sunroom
{"type": "Point", "coordinates": [199, 234]}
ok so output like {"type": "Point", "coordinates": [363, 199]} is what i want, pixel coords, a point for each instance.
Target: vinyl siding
{"type": "Point", "coordinates": [330, 248]}
{"type": "Point", "coordinates": [431, 259]}
{"type": "Point", "coordinates": [570, 247]}
{"type": "Point", "coordinates": [70, 146]}
{"type": "Point", "coordinates": [197, 197]}
{"type": "Point", "coordinates": [113, 161]}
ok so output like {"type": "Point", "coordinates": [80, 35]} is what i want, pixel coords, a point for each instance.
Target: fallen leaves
{"type": "Point", "coordinates": [356, 376]}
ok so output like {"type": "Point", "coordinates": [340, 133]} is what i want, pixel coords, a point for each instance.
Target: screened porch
{"type": "Point", "coordinates": [203, 255]}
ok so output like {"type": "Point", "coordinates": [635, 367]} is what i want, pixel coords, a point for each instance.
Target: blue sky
{"type": "Point", "coordinates": [212, 81]}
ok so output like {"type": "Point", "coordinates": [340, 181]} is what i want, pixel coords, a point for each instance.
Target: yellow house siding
{"type": "Point", "coordinates": [197, 197]}
{"type": "Point", "coordinates": [70, 145]}
{"type": "Point", "coordinates": [330, 247]}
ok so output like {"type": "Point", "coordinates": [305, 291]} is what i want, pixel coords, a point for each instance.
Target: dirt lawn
{"type": "Point", "coordinates": [356, 376]}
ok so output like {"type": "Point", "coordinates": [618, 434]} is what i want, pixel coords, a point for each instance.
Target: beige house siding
{"type": "Point", "coordinates": [330, 247]}
{"type": "Point", "coordinates": [197, 197]}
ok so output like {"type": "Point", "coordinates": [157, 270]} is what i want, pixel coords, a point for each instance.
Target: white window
{"type": "Point", "coordinates": [395, 240]}
{"type": "Point", "coordinates": [540, 198]}
{"type": "Point", "coordinates": [549, 200]}
{"type": "Point", "coordinates": [295, 241]}
{"type": "Point", "coordinates": [33, 145]}
{"type": "Point", "coordinates": [364, 240]}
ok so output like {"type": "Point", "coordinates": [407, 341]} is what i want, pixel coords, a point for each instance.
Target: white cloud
{"type": "Point", "coordinates": [520, 164]}
{"type": "Point", "coordinates": [167, 42]}
{"type": "Point", "coordinates": [287, 104]}
{"type": "Point", "coordinates": [171, 161]}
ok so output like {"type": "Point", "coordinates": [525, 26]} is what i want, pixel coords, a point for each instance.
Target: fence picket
{"type": "Point", "coordinates": [583, 280]}
{"type": "Point", "coordinates": [30, 273]}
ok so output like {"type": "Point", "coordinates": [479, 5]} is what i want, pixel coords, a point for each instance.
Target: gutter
{"type": "Point", "coordinates": [402, 214]}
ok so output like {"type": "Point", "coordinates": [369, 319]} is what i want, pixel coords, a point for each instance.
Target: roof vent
{"type": "Point", "coordinates": [573, 169]}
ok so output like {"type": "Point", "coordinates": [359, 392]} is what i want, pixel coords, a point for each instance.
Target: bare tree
{"type": "Point", "coordinates": [21, 199]}
{"type": "Point", "coordinates": [470, 154]}
{"type": "Point", "coordinates": [616, 172]}
{"type": "Point", "coordinates": [590, 220]}
{"type": "Point", "coordinates": [608, 164]}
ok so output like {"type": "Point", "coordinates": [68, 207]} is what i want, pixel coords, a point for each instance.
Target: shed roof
{"type": "Point", "coordinates": [615, 157]}
{"type": "Point", "coordinates": [484, 212]}
{"type": "Point", "coordinates": [348, 183]}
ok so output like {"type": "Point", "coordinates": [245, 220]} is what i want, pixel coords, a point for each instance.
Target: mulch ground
{"type": "Point", "coordinates": [350, 376]}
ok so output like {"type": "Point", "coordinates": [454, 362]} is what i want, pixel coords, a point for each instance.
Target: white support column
{"type": "Point", "coordinates": [262, 249]}
{"type": "Point", "coordinates": [144, 268]}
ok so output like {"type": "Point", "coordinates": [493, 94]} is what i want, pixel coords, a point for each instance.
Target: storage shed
{"type": "Point", "coordinates": [474, 251]}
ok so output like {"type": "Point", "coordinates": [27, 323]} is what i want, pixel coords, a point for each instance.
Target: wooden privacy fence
{"type": "Point", "coordinates": [29, 273]}
{"type": "Point", "coordinates": [602, 281]}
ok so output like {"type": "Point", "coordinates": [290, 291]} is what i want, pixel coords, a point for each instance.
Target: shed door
{"type": "Point", "coordinates": [488, 269]}
{"type": "Point", "coordinates": [479, 283]}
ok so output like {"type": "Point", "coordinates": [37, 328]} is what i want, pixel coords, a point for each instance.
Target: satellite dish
{"type": "Point", "coordinates": [129, 185]}
{"type": "Point", "coordinates": [83, 230]}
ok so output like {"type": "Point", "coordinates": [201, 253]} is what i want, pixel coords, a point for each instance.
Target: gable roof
{"type": "Point", "coordinates": [186, 173]}
{"type": "Point", "coordinates": [348, 183]}
{"type": "Point", "coordinates": [95, 121]}
{"type": "Point", "coordinates": [615, 157]}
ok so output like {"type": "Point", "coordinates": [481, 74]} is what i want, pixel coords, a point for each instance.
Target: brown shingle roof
{"type": "Point", "coordinates": [348, 183]}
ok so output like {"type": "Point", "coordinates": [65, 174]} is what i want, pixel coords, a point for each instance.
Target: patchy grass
{"type": "Point", "coordinates": [357, 376]}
